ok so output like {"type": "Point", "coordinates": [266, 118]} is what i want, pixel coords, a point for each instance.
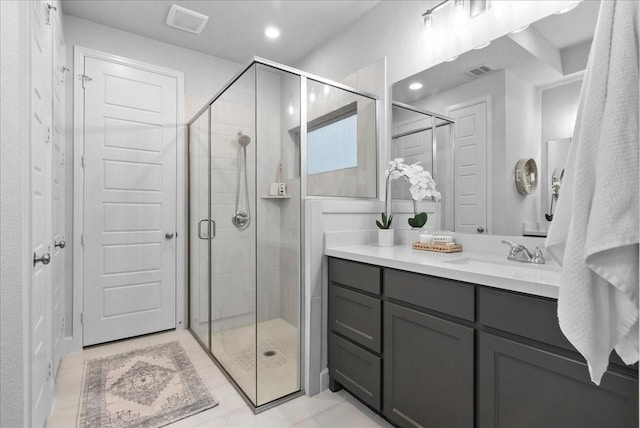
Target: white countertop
{"type": "Point", "coordinates": [474, 267]}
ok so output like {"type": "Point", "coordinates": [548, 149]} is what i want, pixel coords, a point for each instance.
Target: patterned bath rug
{"type": "Point", "coordinates": [145, 388]}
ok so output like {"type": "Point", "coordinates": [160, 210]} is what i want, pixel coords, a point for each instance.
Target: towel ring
{"type": "Point", "coordinates": [526, 176]}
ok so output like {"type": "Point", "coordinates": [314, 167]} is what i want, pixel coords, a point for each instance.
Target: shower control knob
{"type": "Point", "coordinates": [168, 235]}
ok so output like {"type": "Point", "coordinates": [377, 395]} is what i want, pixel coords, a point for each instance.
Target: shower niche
{"type": "Point", "coordinates": [245, 242]}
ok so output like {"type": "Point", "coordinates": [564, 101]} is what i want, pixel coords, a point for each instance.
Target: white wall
{"type": "Point", "coordinates": [522, 108]}
{"type": "Point", "coordinates": [15, 232]}
{"type": "Point", "coordinates": [204, 76]}
{"type": "Point", "coordinates": [559, 108]}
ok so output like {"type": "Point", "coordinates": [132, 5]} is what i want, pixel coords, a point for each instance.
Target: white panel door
{"type": "Point", "coordinates": [40, 122]}
{"type": "Point", "coordinates": [470, 168]}
{"type": "Point", "coordinates": [58, 254]}
{"type": "Point", "coordinates": [129, 202]}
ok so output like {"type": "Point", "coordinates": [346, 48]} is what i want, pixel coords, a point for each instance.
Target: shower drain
{"type": "Point", "coordinates": [269, 353]}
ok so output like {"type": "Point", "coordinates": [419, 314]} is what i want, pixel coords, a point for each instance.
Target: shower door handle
{"type": "Point", "coordinates": [200, 235]}
{"type": "Point", "coordinates": [211, 229]}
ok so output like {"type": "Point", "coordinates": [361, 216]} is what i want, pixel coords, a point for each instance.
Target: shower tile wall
{"type": "Point", "coordinates": [290, 217]}
{"type": "Point", "coordinates": [268, 210]}
{"type": "Point", "coordinates": [233, 256]}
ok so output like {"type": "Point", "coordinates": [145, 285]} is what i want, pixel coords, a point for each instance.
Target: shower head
{"type": "Point", "coordinates": [244, 140]}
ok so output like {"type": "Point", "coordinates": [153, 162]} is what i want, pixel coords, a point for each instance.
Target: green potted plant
{"type": "Point", "coordinates": [385, 233]}
{"type": "Point", "coordinates": [422, 186]}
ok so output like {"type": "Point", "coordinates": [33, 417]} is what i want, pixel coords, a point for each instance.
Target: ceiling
{"type": "Point", "coordinates": [561, 31]}
{"type": "Point", "coordinates": [235, 30]}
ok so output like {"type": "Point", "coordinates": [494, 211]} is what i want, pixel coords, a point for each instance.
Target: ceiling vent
{"type": "Point", "coordinates": [186, 20]}
{"type": "Point", "coordinates": [479, 70]}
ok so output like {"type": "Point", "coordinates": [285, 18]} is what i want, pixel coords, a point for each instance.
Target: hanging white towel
{"type": "Point", "coordinates": [594, 234]}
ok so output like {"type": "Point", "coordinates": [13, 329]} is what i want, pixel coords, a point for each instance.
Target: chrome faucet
{"type": "Point", "coordinates": [520, 253]}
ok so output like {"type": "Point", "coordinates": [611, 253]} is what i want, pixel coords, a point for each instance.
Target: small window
{"type": "Point", "coordinates": [333, 146]}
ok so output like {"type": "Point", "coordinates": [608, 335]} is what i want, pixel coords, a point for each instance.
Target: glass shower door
{"type": "Point", "coordinates": [199, 228]}
{"type": "Point", "coordinates": [233, 249]}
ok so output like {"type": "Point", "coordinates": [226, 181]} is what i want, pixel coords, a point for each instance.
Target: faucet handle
{"type": "Point", "coordinates": [506, 241]}
{"type": "Point", "coordinates": [538, 256]}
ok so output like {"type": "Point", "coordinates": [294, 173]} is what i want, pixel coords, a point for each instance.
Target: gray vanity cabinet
{"type": "Point", "coordinates": [428, 370]}
{"type": "Point", "coordinates": [433, 352]}
{"type": "Point", "coordinates": [524, 386]}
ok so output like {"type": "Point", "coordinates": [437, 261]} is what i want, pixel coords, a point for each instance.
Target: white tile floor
{"type": "Point", "coordinates": [326, 409]}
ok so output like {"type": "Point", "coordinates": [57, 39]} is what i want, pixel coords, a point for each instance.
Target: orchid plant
{"type": "Point", "coordinates": [422, 186]}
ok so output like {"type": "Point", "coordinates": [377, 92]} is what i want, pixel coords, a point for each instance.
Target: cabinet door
{"type": "Point", "coordinates": [428, 370]}
{"type": "Point", "coordinates": [522, 386]}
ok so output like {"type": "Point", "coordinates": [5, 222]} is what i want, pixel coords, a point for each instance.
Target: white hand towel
{"type": "Point", "coordinates": [594, 234]}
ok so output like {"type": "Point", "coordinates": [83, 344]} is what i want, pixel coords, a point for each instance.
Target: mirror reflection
{"type": "Point", "coordinates": [514, 99]}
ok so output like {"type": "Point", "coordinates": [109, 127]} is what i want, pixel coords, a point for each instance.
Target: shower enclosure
{"type": "Point", "coordinates": [248, 178]}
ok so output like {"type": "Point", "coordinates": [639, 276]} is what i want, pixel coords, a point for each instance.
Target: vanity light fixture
{"type": "Point", "coordinates": [567, 9]}
{"type": "Point", "coordinates": [415, 86]}
{"type": "Point", "coordinates": [427, 17]}
{"type": "Point", "coordinates": [521, 29]}
{"type": "Point", "coordinates": [272, 32]}
{"type": "Point", "coordinates": [482, 46]}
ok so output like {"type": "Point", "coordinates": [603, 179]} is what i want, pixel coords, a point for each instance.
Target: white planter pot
{"type": "Point", "coordinates": [385, 237]}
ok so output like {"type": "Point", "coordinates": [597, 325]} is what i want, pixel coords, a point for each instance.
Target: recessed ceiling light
{"type": "Point", "coordinates": [452, 58]}
{"type": "Point", "coordinates": [567, 9]}
{"type": "Point", "coordinates": [272, 32]}
{"type": "Point", "coordinates": [482, 46]}
{"type": "Point", "coordinates": [521, 29]}
{"type": "Point", "coordinates": [415, 86]}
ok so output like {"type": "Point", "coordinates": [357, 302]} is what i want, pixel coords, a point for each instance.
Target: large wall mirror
{"type": "Point", "coordinates": [513, 99]}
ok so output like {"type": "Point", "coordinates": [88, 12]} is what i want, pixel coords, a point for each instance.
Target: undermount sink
{"type": "Point", "coordinates": [516, 269]}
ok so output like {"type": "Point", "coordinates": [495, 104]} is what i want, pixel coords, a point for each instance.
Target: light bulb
{"type": "Point", "coordinates": [415, 86]}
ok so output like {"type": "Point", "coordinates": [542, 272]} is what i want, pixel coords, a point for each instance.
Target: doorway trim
{"type": "Point", "coordinates": [79, 55]}
{"type": "Point", "coordinates": [489, 155]}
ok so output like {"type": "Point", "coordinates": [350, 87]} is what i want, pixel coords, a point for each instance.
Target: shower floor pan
{"type": "Point", "coordinates": [276, 372]}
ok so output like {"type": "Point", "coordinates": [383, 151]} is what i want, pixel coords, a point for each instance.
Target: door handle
{"type": "Point", "coordinates": [45, 259]}
{"type": "Point", "coordinates": [168, 235]}
{"type": "Point", "coordinates": [60, 244]}
{"type": "Point", "coordinates": [211, 229]}
{"type": "Point", "coordinates": [200, 229]}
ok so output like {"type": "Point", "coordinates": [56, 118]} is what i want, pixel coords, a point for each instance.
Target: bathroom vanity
{"type": "Point", "coordinates": [426, 341]}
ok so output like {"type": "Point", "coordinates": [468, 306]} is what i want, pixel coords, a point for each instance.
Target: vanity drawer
{"type": "Point", "coordinates": [532, 317]}
{"type": "Point", "coordinates": [356, 316]}
{"type": "Point", "coordinates": [357, 370]}
{"type": "Point", "coordinates": [527, 316]}
{"type": "Point", "coordinates": [442, 295]}
{"type": "Point", "coordinates": [357, 275]}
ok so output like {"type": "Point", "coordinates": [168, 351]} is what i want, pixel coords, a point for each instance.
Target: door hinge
{"type": "Point", "coordinates": [49, 8]}
{"type": "Point", "coordinates": [82, 239]}
{"type": "Point", "coordinates": [82, 318]}
{"type": "Point", "coordinates": [49, 369]}
{"type": "Point", "coordinates": [48, 134]}
{"type": "Point", "coordinates": [82, 159]}
{"type": "Point", "coordinates": [85, 79]}
{"type": "Point", "coordinates": [62, 159]}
